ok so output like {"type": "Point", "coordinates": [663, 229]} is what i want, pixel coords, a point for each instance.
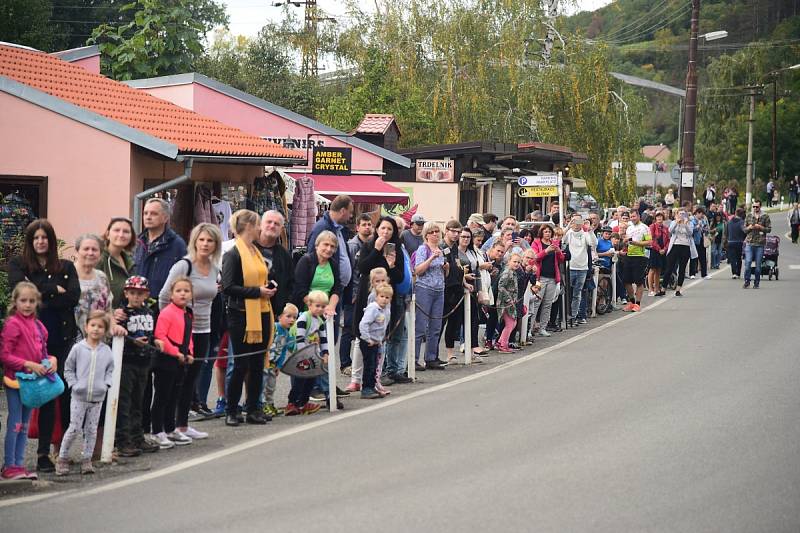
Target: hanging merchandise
{"type": "Point", "coordinates": [222, 216]}
{"type": "Point", "coordinates": [266, 195]}
{"type": "Point", "coordinates": [304, 210]}
{"type": "Point", "coordinates": [203, 211]}
{"type": "Point", "coordinates": [15, 214]}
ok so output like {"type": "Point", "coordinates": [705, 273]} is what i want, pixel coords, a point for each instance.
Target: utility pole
{"type": "Point", "coordinates": [749, 191]}
{"type": "Point", "coordinates": [688, 166]}
{"type": "Point", "coordinates": [309, 66]}
{"type": "Point", "coordinates": [774, 131]}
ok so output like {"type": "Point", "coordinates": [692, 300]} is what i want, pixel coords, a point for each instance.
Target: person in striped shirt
{"type": "Point", "coordinates": [310, 330]}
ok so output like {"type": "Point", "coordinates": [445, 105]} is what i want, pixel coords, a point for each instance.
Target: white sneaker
{"type": "Point", "coordinates": [544, 333]}
{"type": "Point", "coordinates": [179, 438]}
{"type": "Point", "coordinates": [692, 276]}
{"type": "Point", "coordinates": [162, 441]}
{"type": "Point", "coordinates": [707, 277]}
{"type": "Point", "coordinates": [195, 434]}
{"type": "Point", "coordinates": [651, 293]}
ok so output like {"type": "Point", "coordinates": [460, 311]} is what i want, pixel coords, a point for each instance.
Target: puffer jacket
{"type": "Point", "coordinates": [155, 259]}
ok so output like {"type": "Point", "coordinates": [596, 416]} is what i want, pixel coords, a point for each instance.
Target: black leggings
{"type": "Point", "coordinates": [701, 258]}
{"type": "Point", "coordinates": [165, 388]}
{"type": "Point", "coordinates": [679, 255]}
{"type": "Point", "coordinates": [189, 377]}
{"type": "Point", "coordinates": [251, 365]}
{"type": "Point", "coordinates": [47, 412]}
{"type": "Point", "coordinates": [452, 329]}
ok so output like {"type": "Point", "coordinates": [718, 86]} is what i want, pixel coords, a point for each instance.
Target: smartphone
{"type": "Point", "coordinates": [272, 285]}
{"type": "Point", "coordinates": [389, 248]}
{"type": "Point", "coordinates": [514, 235]}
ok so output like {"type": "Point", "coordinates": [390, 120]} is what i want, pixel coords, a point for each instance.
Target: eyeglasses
{"type": "Point", "coordinates": [453, 230]}
{"type": "Point", "coordinates": [436, 231]}
{"type": "Point", "coordinates": [465, 236]}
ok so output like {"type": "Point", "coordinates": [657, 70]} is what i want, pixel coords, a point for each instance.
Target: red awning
{"type": "Point", "coordinates": [362, 188]}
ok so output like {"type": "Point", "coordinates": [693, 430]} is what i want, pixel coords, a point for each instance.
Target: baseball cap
{"type": "Point", "coordinates": [476, 218]}
{"type": "Point", "coordinates": [418, 219]}
{"type": "Point", "coordinates": [137, 282]}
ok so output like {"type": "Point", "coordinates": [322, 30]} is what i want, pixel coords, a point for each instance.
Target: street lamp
{"type": "Point", "coordinates": [714, 35]}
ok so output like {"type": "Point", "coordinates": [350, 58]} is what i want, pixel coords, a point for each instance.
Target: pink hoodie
{"type": "Point", "coordinates": [23, 339]}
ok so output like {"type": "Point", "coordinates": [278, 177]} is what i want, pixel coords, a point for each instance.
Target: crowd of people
{"type": "Point", "coordinates": [234, 311]}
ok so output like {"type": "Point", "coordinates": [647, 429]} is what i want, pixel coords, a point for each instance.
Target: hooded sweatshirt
{"type": "Point", "coordinates": [116, 273]}
{"type": "Point", "coordinates": [23, 339]}
{"type": "Point", "coordinates": [88, 371]}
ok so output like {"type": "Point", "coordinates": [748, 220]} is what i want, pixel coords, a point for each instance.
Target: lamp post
{"type": "Point", "coordinates": [774, 82]}
{"type": "Point", "coordinates": [688, 167]}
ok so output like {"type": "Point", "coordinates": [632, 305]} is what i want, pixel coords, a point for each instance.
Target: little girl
{"type": "Point", "coordinates": [24, 342]}
{"type": "Point", "coordinates": [507, 301]}
{"type": "Point", "coordinates": [310, 330]}
{"type": "Point", "coordinates": [377, 277]}
{"type": "Point", "coordinates": [174, 329]}
{"type": "Point", "coordinates": [88, 372]}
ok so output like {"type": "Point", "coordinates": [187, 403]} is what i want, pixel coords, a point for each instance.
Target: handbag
{"type": "Point", "coordinates": [35, 390]}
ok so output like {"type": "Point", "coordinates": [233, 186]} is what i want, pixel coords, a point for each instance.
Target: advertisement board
{"type": "Point", "coordinates": [435, 170]}
{"type": "Point", "coordinates": [332, 161]}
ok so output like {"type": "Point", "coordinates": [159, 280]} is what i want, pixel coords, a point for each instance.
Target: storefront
{"type": "Point", "coordinates": [80, 148]}
{"type": "Point", "coordinates": [455, 180]}
{"type": "Point", "coordinates": [348, 164]}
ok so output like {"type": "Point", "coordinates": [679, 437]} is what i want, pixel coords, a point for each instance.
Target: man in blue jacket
{"type": "Point", "coordinates": [159, 247]}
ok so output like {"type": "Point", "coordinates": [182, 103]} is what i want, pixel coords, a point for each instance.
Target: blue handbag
{"type": "Point", "coordinates": [35, 390]}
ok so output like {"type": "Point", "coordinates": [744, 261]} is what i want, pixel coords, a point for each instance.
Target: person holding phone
{"type": "Point", "coordinates": [431, 269]}
{"type": "Point", "coordinates": [548, 256]}
{"type": "Point", "coordinates": [579, 241]}
{"type": "Point", "coordinates": [681, 248]}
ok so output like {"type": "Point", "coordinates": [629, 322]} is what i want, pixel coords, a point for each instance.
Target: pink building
{"type": "Point", "coordinates": [289, 129]}
{"type": "Point", "coordinates": [80, 148]}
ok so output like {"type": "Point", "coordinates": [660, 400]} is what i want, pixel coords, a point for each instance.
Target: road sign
{"type": "Point", "coordinates": [687, 179]}
{"type": "Point", "coordinates": [541, 180]}
{"type": "Point", "coordinates": [537, 192]}
{"type": "Point", "coordinates": [675, 174]}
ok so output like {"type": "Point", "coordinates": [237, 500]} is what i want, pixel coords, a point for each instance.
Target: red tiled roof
{"type": "Point", "coordinates": [375, 123]}
{"type": "Point", "coordinates": [191, 132]}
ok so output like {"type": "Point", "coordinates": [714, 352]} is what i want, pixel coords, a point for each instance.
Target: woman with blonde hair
{"type": "Point", "coordinates": [201, 267]}
{"type": "Point", "coordinates": [431, 270]}
{"type": "Point", "coordinates": [245, 284]}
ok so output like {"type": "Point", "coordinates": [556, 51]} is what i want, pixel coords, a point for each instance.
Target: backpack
{"type": "Point", "coordinates": [405, 286]}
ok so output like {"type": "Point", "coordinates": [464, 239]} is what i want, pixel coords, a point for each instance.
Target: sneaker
{"type": "Point", "coordinates": [582, 321]}
{"type": "Point", "coordinates": [13, 472]}
{"type": "Point", "coordinates": [125, 451]}
{"type": "Point", "coordinates": [310, 408]}
{"type": "Point", "coordinates": [194, 416]}
{"type": "Point", "coordinates": [733, 276]}
{"type": "Point", "coordinates": [194, 434]}
{"type": "Point", "coordinates": [401, 378]}
{"type": "Point", "coordinates": [317, 396]}
{"type": "Point", "coordinates": [636, 308]}
{"type": "Point", "coordinates": [220, 408]}
{"type": "Point", "coordinates": [386, 381]}
{"type": "Point", "coordinates": [419, 368]}
{"type": "Point", "coordinates": [692, 276]}
{"type": "Point", "coordinates": [755, 285]}
{"type": "Point", "coordinates": [347, 371]}
{"type": "Point", "coordinates": [291, 410]}
{"type": "Point", "coordinates": [44, 464]}
{"type": "Point", "coordinates": [651, 293]}
{"type": "Point", "coordinates": [746, 284]}
{"type": "Point", "coordinates": [514, 346]}
{"type": "Point", "coordinates": [146, 446]}
{"type": "Point", "coordinates": [353, 387]}
{"type": "Point", "coordinates": [179, 438]}
{"type": "Point", "coordinates": [544, 333]}
{"type": "Point", "coordinates": [707, 277]}
{"type": "Point", "coordinates": [628, 307]}
{"type": "Point", "coordinates": [33, 476]}
{"type": "Point", "coordinates": [270, 410]}
{"type": "Point", "coordinates": [87, 467]}
{"type": "Point", "coordinates": [678, 293]}
{"type": "Point", "coordinates": [503, 349]}
{"type": "Point", "coordinates": [163, 442]}
{"type": "Point", "coordinates": [436, 364]}
{"type": "Point", "coordinates": [370, 394]}
{"type": "Point", "coordinates": [205, 411]}
{"type": "Point", "coordinates": [340, 392]}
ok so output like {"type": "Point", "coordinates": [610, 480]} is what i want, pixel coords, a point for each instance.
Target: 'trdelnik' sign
{"type": "Point", "coordinates": [332, 161]}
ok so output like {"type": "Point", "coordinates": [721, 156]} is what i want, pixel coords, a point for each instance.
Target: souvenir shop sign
{"type": "Point", "coordinates": [332, 161]}
{"type": "Point", "coordinates": [436, 170]}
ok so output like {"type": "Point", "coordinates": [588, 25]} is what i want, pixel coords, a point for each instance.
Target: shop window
{"type": "Point", "coordinates": [22, 199]}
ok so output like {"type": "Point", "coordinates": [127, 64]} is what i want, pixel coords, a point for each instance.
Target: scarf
{"type": "Point", "coordinates": [254, 274]}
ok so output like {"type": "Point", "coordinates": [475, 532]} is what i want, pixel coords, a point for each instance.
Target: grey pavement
{"type": "Point", "coordinates": [680, 418]}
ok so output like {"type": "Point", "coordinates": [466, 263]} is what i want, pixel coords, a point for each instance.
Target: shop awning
{"type": "Point", "coordinates": [362, 188]}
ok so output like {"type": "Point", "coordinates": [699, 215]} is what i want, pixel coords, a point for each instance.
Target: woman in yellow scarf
{"type": "Point", "coordinates": [247, 290]}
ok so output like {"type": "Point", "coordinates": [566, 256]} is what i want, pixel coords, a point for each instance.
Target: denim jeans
{"type": "Point", "coordinates": [576, 280]}
{"type": "Point", "coordinates": [396, 349]}
{"type": "Point", "coordinates": [428, 322]}
{"type": "Point", "coordinates": [586, 293]}
{"type": "Point", "coordinates": [716, 254]}
{"type": "Point", "coordinates": [16, 429]}
{"type": "Point", "coordinates": [753, 253]}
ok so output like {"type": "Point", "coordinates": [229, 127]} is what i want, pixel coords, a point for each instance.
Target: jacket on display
{"type": "Point", "coordinates": [304, 210]}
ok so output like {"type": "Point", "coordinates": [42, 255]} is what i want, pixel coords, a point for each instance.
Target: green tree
{"type": "Point", "coordinates": [164, 37]}
{"type": "Point", "coordinates": [27, 22]}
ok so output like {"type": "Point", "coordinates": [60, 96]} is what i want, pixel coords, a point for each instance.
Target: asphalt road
{"type": "Point", "coordinates": [680, 418]}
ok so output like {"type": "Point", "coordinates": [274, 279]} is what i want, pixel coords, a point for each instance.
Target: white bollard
{"type": "Point", "coordinates": [614, 281]}
{"type": "Point", "coordinates": [331, 365]}
{"type": "Point", "coordinates": [112, 401]}
{"type": "Point", "coordinates": [467, 328]}
{"type": "Point", "coordinates": [411, 316]}
{"type": "Point", "coordinates": [594, 293]}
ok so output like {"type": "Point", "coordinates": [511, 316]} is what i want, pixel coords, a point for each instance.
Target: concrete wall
{"type": "Point", "coordinates": [88, 170]}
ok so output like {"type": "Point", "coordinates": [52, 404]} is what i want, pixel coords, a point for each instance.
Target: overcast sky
{"type": "Point", "coordinates": [249, 16]}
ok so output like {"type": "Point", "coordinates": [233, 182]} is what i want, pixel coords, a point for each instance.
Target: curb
{"type": "Point", "coordinates": [18, 486]}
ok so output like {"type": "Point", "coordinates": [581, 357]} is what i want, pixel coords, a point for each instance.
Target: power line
{"type": "Point", "coordinates": [677, 15]}
{"type": "Point", "coordinates": [631, 28]}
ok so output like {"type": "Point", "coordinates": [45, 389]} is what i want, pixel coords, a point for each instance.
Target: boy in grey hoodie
{"type": "Point", "coordinates": [373, 332]}
{"type": "Point", "coordinates": [88, 371]}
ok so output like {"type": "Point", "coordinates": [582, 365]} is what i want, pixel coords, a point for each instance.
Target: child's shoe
{"type": "Point", "coordinates": [87, 467]}
{"type": "Point", "coordinates": [353, 387]}
{"type": "Point", "coordinates": [13, 472]}
{"type": "Point", "coordinates": [271, 410]}
{"type": "Point", "coordinates": [62, 466]}
{"type": "Point", "coordinates": [219, 409]}
{"type": "Point", "coordinates": [291, 410]}
{"type": "Point", "coordinates": [310, 408]}
{"type": "Point", "coordinates": [370, 394]}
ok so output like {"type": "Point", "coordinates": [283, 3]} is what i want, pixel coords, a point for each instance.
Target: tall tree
{"type": "Point", "coordinates": [164, 37]}
{"type": "Point", "coordinates": [27, 22]}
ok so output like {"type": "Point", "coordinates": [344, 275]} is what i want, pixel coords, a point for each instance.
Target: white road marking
{"type": "Point", "coordinates": [794, 267]}
{"type": "Point", "coordinates": [178, 467]}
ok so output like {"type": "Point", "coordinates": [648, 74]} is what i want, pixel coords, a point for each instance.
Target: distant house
{"type": "Point", "coordinates": [657, 152]}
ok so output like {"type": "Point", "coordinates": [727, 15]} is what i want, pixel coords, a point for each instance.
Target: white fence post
{"type": "Point", "coordinates": [467, 328]}
{"type": "Point", "coordinates": [112, 401]}
{"type": "Point", "coordinates": [411, 360]}
{"type": "Point", "coordinates": [594, 293]}
{"type": "Point", "coordinates": [331, 365]}
{"type": "Point", "coordinates": [614, 282]}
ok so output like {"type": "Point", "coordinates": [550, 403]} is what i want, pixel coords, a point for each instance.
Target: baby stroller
{"type": "Point", "coordinates": [769, 262]}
